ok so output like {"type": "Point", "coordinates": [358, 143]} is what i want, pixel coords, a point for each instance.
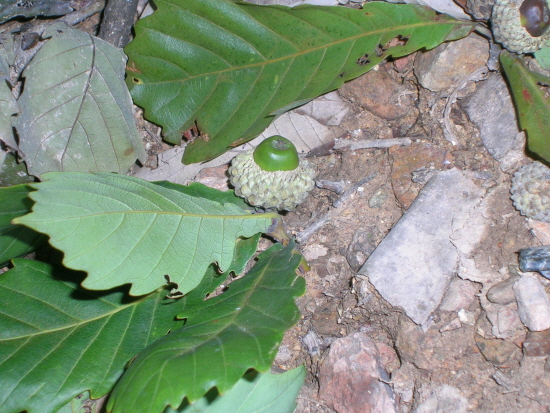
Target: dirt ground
{"type": "Point", "coordinates": [331, 309]}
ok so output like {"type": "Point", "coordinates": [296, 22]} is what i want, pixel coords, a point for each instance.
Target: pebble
{"type": "Point", "coordinates": [537, 344]}
{"type": "Point", "coordinates": [499, 352]}
{"type": "Point", "coordinates": [533, 303]}
{"type": "Point", "coordinates": [362, 245]}
{"type": "Point", "coordinates": [461, 294]}
{"type": "Point", "coordinates": [491, 109]}
{"type": "Point", "coordinates": [443, 399]}
{"type": "Point", "coordinates": [446, 65]}
{"type": "Point", "coordinates": [503, 292]}
{"type": "Point", "coordinates": [352, 378]}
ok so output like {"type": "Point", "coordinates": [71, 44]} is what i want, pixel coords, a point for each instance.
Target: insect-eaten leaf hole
{"type": "Point", "coordinates": [363, 60]}
{"type": "Point", "coordinates": [173, 287]}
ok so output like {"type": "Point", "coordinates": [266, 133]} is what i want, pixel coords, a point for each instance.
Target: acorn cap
{"type": "Point", "coordinates": [531, 191]}
{"type": "Point", "coordinates": [283, 190]}
{"type": "Point", "coordinates": [507, 26]}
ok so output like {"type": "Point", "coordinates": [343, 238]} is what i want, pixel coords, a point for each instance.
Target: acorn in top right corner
{"type": "Point", "coordinates": [521, 26]}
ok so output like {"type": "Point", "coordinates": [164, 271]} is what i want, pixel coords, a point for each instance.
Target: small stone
{"type": "Point", "coordinates": [508, 321]}
{"type": "Point", "coordinates": [378, 198]}
{"type": "Point", "coordinates": [467, 317]}
{"type": "Point", "coordinates": [362, 245]}
{"type": "Point", "coordinates": [352, 378]}
{"type": "Point", "coordinates": [380, 94]}
{"type": "Point", "coordinates": [446, 65]}
{"type": "Point", "coordinates": [533, 303]}
{"type": "Point", "coordinates": [312, 343]}
{"type": "Point", "coordinates": [443, 399]}
{"type": "Point", "coordinates": [325, 319]}
{"type": "Point", "coordinates": [537, 344]}
{"type": "Point", "coordinates": [503, 292]}
{"type": "Point", "coordinates": [454, 324]}
{"type": "Point", "coordinates": [461, 294]}
{"type": "Point", "coordinates": [497, 351]}
{"type": "Point", "coordinates": [491, 109]}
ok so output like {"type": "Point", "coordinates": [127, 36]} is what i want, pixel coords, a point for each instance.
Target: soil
{"type": "Point", "coordinates": [331, 308]}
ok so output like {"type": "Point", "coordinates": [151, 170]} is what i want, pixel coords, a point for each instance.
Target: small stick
{"type": "Point", "coordinates": [304, 235]}
{"type": "Point", "coordinates": [354, 144]}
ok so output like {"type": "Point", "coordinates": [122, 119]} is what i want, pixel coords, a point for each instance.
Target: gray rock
{"type": "Point", "coordinates": [491, 109]}
{"type": "Point", "coordinates": [503, 292]}
{"type": "Point", "coordinates": [414, 264]}
{"type": "Point", "coordinates": [444, 399]}
{"type": "Point", "coordinates": [445, 66]}
{"type": "Point", "coordinates": [533, 303]}
{"type": "Point", "coordinates": [461, 294]}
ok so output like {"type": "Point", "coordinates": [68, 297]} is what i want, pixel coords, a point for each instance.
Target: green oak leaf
{"type": "Point", "coordinates": [58, 340]}
{"type": "Point", "coordinates": [230, 68]}
{"type": "Point", "coordinates": [253, 393]}
{"type": "Point", "coordinates": [121, 229]}
{"type": "Point", "coordinates": [222, 338]}
{"type": "Point", "coordinates": [16, 240]}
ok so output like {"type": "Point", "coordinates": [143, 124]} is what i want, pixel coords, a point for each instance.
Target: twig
{"type": "Point", "coordinates": [118, 19]}
{"type": "Point", "coordinates": [353, 144]}
{"type": "Point", "coordinates": [304, 235]}
{"type": "Point", "coordinates": [80, 15]}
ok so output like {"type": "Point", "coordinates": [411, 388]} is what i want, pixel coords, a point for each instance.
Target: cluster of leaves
{"type": "Point", "coordinates": [60, 339]}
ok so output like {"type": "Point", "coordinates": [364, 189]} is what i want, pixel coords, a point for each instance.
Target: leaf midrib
{"type": "Point", "coordinates": [289, 56]}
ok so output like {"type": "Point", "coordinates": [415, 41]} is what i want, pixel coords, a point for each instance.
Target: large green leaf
{"type": "Point", "coordinates": [532, 107]}
{"type": "Point", "coordinates": [16, 240]}
{"type": "Point", "coordinates": [57, 340]}
{"type": "Point", "coordinates": [76, 110]}
{"type": "Point", "coordinates": [254, 393]}
{"type": "Point", "coordinates": [231, 67]}
{"type": "Point", "coordinates": [121, 229]}
{"type": "Point", "coordinates": [221, 339]}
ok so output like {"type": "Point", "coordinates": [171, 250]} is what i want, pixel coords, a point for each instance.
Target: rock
{"type": "Point", "coordinates": [380, 94]}
{"type": "Point", "coordinates": [443, 399]}
{"type": "Point", "coordinates": [491, 109]}
{"type": "Point", "coordinates": [505, 320]}
{"type": "Point", "coordinates": [497, 351]}
{"type": "Point", "coordinates": [408, 159]}
{"type": "Point", "coordinates": [414, 264]}
{"type": "Point", "coordinates": [446, 65]}
{"type": "Point", "coordinates": [461, 294]}
{"type": "Point", "coordinates": [503, 292]}
{"type": "Point", "coordinates": [352, 378]}
{"type": "Point", "coordinates": [533, 303]}
{"type": "Point", "coordinates": [325, 319]}
{"type": "Point", "coordinates": [362, 245]}
{"type": "Point", "coordinates": [537, 344]}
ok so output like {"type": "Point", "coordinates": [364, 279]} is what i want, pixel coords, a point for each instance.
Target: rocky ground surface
{"type": "Point", "coordinates": [413, 293]}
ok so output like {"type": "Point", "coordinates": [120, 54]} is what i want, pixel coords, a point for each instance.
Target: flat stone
{"type": "Point", "coordinates": [352, 378]}
{"type": "Point", "coordinates": [497, 351]}
{"type": "Point", "coordinates": [325, 319]}
{"type": "Point", "coordinates": [446, 65]}
{"type": "Point", "coordinates": [537, 344]}
{"type": "Point", "coordinates": [461, 294]}
{"type": "Point", "coordinates": [414, 264]}
{"type": "Point", "coordinates": [362, 245]}
{"type": "Point", "coordinates": [380, 94]}
{"type": "Point", "coordinates": [503, 292]}
{"type": "Point", "coordinates": [443, 399]}
{"type": "Point", "coordinates": [491, 109]}
{"type": "Point", "coordinates": [533, 303]}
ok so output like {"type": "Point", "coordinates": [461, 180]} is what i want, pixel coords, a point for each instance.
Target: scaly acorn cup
{"type": "Point", "coordinates": [272, 175]}
{"type": "Point", "coordinates": [521, 26]}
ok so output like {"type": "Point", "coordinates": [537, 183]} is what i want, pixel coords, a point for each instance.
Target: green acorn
{"type": "Point", "coordinates": [521, 26]}
{"type": "Point", "coordinates": [272, 175]}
